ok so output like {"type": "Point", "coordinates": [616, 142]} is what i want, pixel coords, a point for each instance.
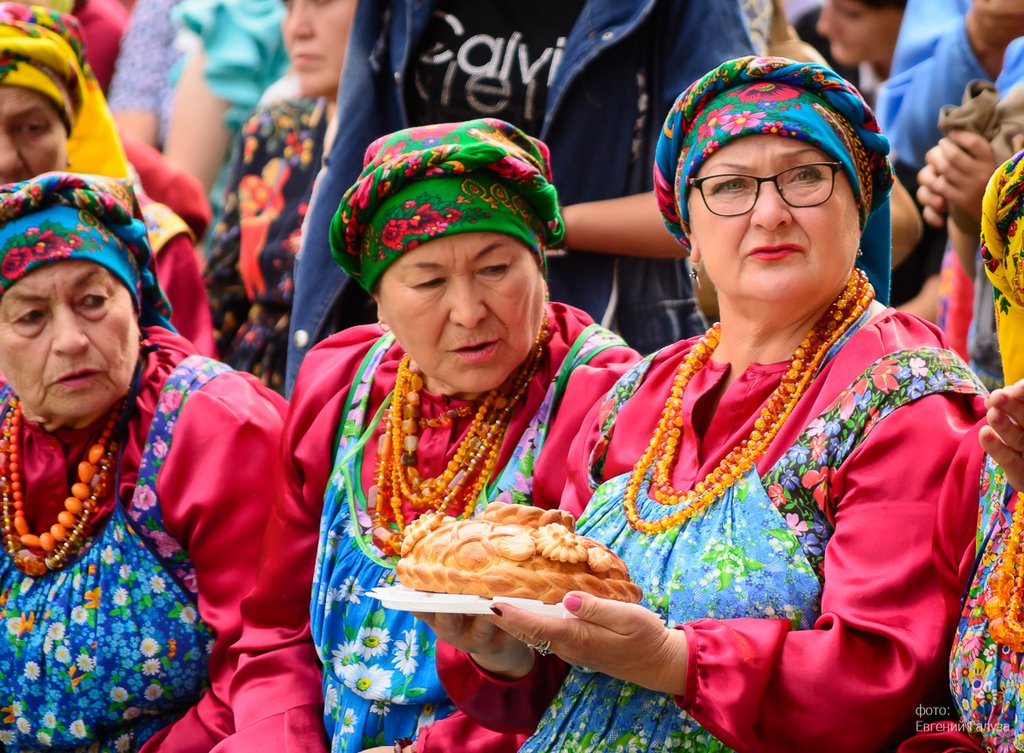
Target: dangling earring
{"type": "Point", "coordinates": [860, 253]}
{"type": "Point", "coordinates": [695, 272]}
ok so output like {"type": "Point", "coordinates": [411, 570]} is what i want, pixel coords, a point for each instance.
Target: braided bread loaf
{"type": "Point", "coordinates": [510, 550]}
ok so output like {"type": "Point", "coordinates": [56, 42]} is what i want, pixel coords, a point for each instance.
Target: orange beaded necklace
{"type": "Point", "coordinates": [663, 449]}
{"type": "Point", "coordinates": [1003, 607]}
{"type": "Point", "coordinates": [460, 483]}
{"type": "Point", "coordinates": [36, 554]}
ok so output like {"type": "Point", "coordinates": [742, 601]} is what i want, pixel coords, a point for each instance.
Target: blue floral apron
{"type": "Point", "coordinates": [757, 551]}
{"type": "Point", "coordinates": [101, 654]}
{"type": "Point", "coordinates": [986, 676]}
{"type": "Point", "coordinates": [380, 681]}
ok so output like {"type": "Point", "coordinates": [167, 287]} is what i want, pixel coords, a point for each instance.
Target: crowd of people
{"type": "Point", "coordinates": [277, 277]}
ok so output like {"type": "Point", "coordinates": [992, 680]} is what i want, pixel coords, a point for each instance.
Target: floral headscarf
{"type": "Point", "coordinates": [777, 96]}
{"type": "Point", "coordinates": [60, 216]}
{"type": "Point", "coordinates": [1002, 250]}
{"type": "Point", "coordinates": [422, 183]}
{"type": "Point", "coordinates": [43, 50]}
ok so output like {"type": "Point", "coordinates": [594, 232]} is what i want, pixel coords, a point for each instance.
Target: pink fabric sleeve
{"type": "Point", "coordinates": [501, 705]}
{"type": "Point", "coordinates": [277, 694]}
{"type": "Point", "coordinates": [277, 688]}
{"type": "Point", "coordinates": [216, 490]}
{"type": "Point", "coordinates": [889, 605]}
{"type": "Point", "coordinates": [584, 393]}
{"type": "Point", "coordinates": [178, 271]}
{"type": "Point", "coordinates": [577, 491]}
{"type": "Point", "coordinates": [103, 22]}
{"type": "Point", "coordinates": [941, 738]}
{"type": "Point", "coordinates": [459, 733]}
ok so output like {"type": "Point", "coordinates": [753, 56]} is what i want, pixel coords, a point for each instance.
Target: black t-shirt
{"type": "Point", "coordinates": [489, 59]}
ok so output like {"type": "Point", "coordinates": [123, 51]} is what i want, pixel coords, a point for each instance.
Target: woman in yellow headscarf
{"type": "Point", "coordinates": [53, 116]}
{"type": "Point", "coordinates": [1002, 249]}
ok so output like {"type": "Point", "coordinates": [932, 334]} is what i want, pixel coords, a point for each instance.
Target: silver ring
{"type": "Point", "coordinates": [541, 647]}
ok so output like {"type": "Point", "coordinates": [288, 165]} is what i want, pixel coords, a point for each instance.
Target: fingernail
{"type": "Point", "coordinates": [572, 603]}
{"type": "Point", "coordinates": [496, 611]}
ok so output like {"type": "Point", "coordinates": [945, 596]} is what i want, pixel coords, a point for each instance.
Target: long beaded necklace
{"type": "Point", "coordinates": [663, 449]}
{"type": "Point", "coordinates": [35, 554]}
{"type": "Point", "coordinates": [460, 483]}
{"type": "Point", "coordinates": [1003, 607]}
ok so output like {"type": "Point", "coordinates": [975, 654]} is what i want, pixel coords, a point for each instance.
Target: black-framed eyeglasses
{"type": "Point", "coordinates": [730, 195]}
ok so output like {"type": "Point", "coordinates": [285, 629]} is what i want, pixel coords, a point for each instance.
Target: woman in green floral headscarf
{"type": "Point", "coordinates": [477, 379]}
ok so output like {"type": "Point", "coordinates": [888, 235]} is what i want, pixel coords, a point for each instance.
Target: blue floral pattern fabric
{"type": "Point", "coordinates": [753, 553]}
{"type": "Point", "coordinates": [380, 680]}
{"type": "Point", "coordinates": [102, 654]}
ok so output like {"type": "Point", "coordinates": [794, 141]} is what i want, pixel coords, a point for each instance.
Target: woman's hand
{"type": "Point", "coordinates": [626, 641]}
{"type": "Point", "coordinates": [492, 648]}
{"type": "Point", "coordinates": [1003, 438]}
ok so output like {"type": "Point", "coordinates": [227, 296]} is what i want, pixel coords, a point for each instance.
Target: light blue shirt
{"type": "Point", "coordinates": [932, 66]}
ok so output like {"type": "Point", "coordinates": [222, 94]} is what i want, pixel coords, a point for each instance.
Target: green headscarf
{"type": "Point", "coordinates": [420, 184]}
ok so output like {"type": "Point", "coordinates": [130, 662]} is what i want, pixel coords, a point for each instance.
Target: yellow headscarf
{"type": "Point", "coordinates": [1002, 250]}
{"type": "Point", "coordinates": [43, 50]}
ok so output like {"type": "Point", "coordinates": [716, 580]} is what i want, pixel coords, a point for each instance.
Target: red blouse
{"type": "Point", "coordinates": [905, 509]}
{"type": "Point", "coordinates": [277, 691]}
{"type": "Point", "coordinates": [215, 507]}
{"type": "Point", "coordinates": [177, 268]}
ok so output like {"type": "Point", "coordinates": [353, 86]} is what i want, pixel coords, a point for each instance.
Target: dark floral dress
{"type": "Point", "coordinates": [249, 273]}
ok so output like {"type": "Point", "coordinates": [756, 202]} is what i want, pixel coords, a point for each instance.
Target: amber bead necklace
{"type": "Point", "coordinates": [35, 554]}
{"type": "Point", "coordinates": [463, 478]}
{"type": "Point", "coordinates": [663, 449]}
{"type": "Point", "coordinates": [1003, 606]}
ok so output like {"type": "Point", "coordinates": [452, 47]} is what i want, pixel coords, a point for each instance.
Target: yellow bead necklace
{"type": "Point", "coordinates": [663, 449]}
{"type": "Point", "coordinates": [460, 483]}
{"type": "Point", "coordinates": [1003, 607]}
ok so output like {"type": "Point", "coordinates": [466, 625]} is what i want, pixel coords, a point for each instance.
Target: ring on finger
{"type": "Point", "coordinates": [543, 648]}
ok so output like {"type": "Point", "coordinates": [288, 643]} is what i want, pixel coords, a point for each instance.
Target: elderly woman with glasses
{"type": "Point", "coordinates": [765, 482]}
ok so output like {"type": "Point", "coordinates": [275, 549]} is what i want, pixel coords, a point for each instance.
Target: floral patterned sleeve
{"type": "Point", "coordinates": [220, 519]}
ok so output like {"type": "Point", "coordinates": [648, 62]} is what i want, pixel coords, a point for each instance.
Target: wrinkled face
{"type": "Point", "coordinates": [775, 254]}
{"type": "Point", "coordinates": [316, 35]}
{"type": "Point", "coordinates": [467, 309]}
{"type": "Point", "coordinates": [69, 341]}
{"type": "Point", "coordinates": [33, 139]}
{"type": "Point", "coordinates": [859, 33]}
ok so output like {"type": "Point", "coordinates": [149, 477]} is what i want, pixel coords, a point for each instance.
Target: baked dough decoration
{"type": "Point", "coordinates": [510, 550]}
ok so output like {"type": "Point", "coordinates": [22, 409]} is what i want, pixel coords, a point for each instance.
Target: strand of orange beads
{"type": "Point", "coordinates": [1003, 605]}
{"type": "Point", "coordinates": [445, 419]}
{"type": "Point", "coordinates": [35, 554]}
{"type": "Point", "coordinates": [472, 464]}
{"type": "Point", "coordinates": [662, 451]}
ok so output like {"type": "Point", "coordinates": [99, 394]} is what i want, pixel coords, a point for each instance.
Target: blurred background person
{"type": "Point", "coordinates": [275, 161]}
{"type": "Point", "coordinates": [235, 52]}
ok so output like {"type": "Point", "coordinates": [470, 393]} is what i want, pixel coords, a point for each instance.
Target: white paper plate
{"type": "Point", "coordinates": [408, 600]}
